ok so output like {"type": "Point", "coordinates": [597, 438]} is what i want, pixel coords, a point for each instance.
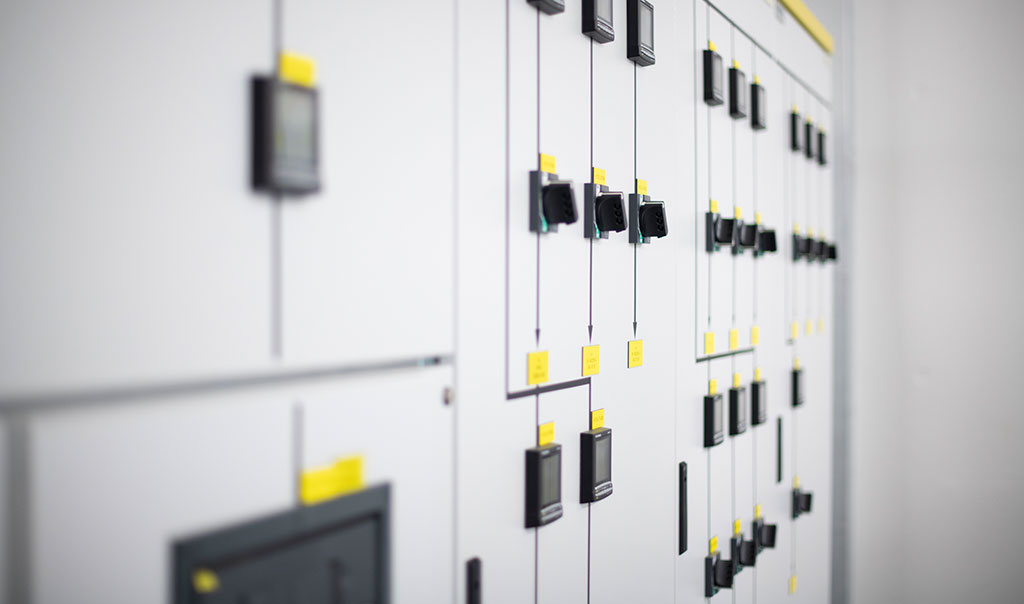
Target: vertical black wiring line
{"type": "Point", "coordinates": [508, 184]}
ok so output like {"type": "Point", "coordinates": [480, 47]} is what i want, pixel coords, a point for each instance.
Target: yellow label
{"type": "Point", "coordinates": [641, 187]}
{"type": "Point", "coordinates": [327, 482]}
{"type": "Point", "coordinates": [296, 69]}
{"type": "Point", "coordinates": [736, 380]}
{"type": "Point", "coordinates": [757, 511]}
{"type": "Point", "coordinates": [735, 64]}
{"type": "Point", "coordinates": [635, 354]}
{"type": "Point", "coordinates": [792, 584]}
{"type": "Point", "coordinates": [591, 360]}
{"type": "Point", "coordinates": [757, 217]}
{"type": "Point", "coordinates": [712, 386]}
{"type": "Point", "coordinates": [809, 327]}
{"type": "Point", "coordinates": [205, 581]}
{"type": "Point", "coordinates": [547, 163]}
{"type": "Point", "coordinates": [537, 367]}
{"type": "Point", "coordinates": [794, 108]}
{"type": "Point", "coordinates": [600, 177]}
{"type": "Point", "coordinates": [546, 433]}
{"type": "Point", "coordinates": [711, 46]}
{"type": "Point", "coordinates": [757, 374]}
{"type": "Point", "coordinates": [713, 545]}
{"type": "Point", "coordinates": [821, 325]}
{"type": "Point", "coordinates": [714, 206]}
{"type": "Point", "coordinates": [737, 527]}
{"type": "Point", "coordinates": [734, 339]}
{"type": "Point", "coordinates": [709, 342]}
{"type": "Point", "coordinates": [737, 212]}
{"type": "Point", "coordinates": [796, 482]}
{"type": "Point", "coordinates": [755, 335]}
{"type": "Point", "coordinates": [796, 228]}
{"type": "Point", "coordinates": [597, 419]}
{"type": "Point", "coordinates": [794, 330]}
{"type": "Point", "coordinates": [757, 79]}
{"type": "Point", "coordinates": [796, 363]}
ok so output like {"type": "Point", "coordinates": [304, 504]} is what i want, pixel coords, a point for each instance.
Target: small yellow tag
{"type": "Point", "coordinates": [327, 482]}
{"type": "Point", "coordinates": [796, 482]}
{"type": "Point", "coordinates": [709, 342]}
{"type": "Point", "coordinates": [796, 363]}
{"type": "Point", "coordinates": [809, 327]}
{"type": "Point", "coordinates": [546, 433]}
{"type": "Point", "coordinates": [757, 79]}
{"type": "Point", "coordinates": [641, 187]}
{"type": "Point", "coordinates": [736, 380]}
{"type": "Point", "coordinates": [537, 367]}
{"type": "Point", "coordinates": [548, 164]}
{"type": "Point", "coordinates": [794, 108]}
{"type": "Point", "coordinates": [796, 228]}
{"type": "Point", "coordinates": [757, 374]}
{"type": "Point", "coordinates": [735, 64]}
{"type": "Point", "coordinates": [711, 46]}
{"type": "Point", "coordinates": [794, 330]}
{"type": "Point", "coordinates": [296, 69]}
{"type": "Point", "coordinates": [597, 419]}
{"type": "Point", "coordinates": [757, 511]}
{"type": "Point", "coordinates": [600, 177]}
{"type": "Point", "coordinates": [591, 360]}
{"type": "Point", "coordinates": [737, 212]}
{"type": "Point", "coordinates": [737, 527]}
{"type": "Point", "coordinates": [712, 386]}
{"type": "Point", "coordinates": [755, 335]}
{"type": "Point", "coordinates": [205, 581]}
{"type": "Point", "coordinates": [714, 206]}
{"type": "Point", "coordinates": [734, 339]}
{"type": "Point", "coordinates": [713, 545]}
{"type": "Point", "coordinates": [757, 217]}
{"type": "Point", "coordinates": [635, 354]}
{"type": "Point", "coordinates": [792, 584]}
{"type": "Point", "coordinates": [821, 325]}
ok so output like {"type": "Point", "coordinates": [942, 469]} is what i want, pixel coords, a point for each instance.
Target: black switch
{"type": "Point", "coordinates": [713, 432]}
{"type": "Point", "coordinates": [821, 147]}
{"type": "Point", "coordinates": [764, 534]}
{"type": "Point", "coordinates": [647, 219]}
{"type": "Point", "coordinates": [758, 403]}
{"type": "Point", "coordinates": [815, 248]}
{"type": "Point", "coordinates": [552, 202]}
{"type": "Point", "coordinates": [285, 137]}
{"type": "Point", "coordinates": [797, 385]}
{"type": "Point", "coordinates": [719, 231]}
{"type": "Point", "coordinates": [598, 20]}
{"type": "Point", "coordinates": [766, 242]}
{"type": "Point", "coordinates": [832, 252]}
{"type": "Point", "coordinates": [683, 516]}
{"type": "Point", "coordinates": [718, 573]}
{"type": "Point", "coordinates": [809, 139]}
{"type": "Point", "coordinates": [794, 131]}
{"type": "Point", "coordinates": [737, 411]}
{"type": "Point", "coordinates": [549, 7]}
{"type": "Point", "coordinates": [604, 211]}
{"type": "Point", "coordinates": [737, 93]}
{"type": "Point", "coordinates": [758, 106]}
{"type": "Point", "coordinates": [744, 553]}
{"type": "Point", "coordinates": [746, 237]}
{"type": "Point", "coordinates": [801, 502]}
{"type": "Point", "coordinates": [474, 581]}
{"type": "Point", "coordinates": [714, 91]}
{"type": "Point", "coordinates": [801, 246]}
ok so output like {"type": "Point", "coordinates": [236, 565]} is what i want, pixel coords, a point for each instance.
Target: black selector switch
{"type": "Point", "coordinates": [548, 7]}
{"type": "Point", "coordinates": [797, 385]}
{"type": "Point", "coordinates": [713, 430]}
{"type": "Point", "coordinates": [714, 89]}
{"type": "Point", "coordinates": [758, 402]}
{"type": "Point", "coordinates": [737, 410]}
{"type": "Point", "coordinates": [597, 20]}
{"type": "Point", "coordinates": [744, 553]}
{"type": "Point", "coordinates": [737, 92]}
{"type": "Point", "coordinates": [764, 534]}
{"type": "Point", "coordinates": [552, 202]}
{"type": "Point", "coordinates": [647, 219]}
{"type": "Point", "coordinates": [746, 237]}
{"type": "Point", "coordinates": [815, 248]}
{"type": "Point", "coordinates": [718, 573]}
{"type": "Point", "coordinates": [801, 502]}
{"type": "Point", "coordinates": [821, 147]}
{"type": "Point", "coordinates": [758, 106]}
{"type": "Point", "coordinates": [766, 242]}
{"type": "Point", "coordinates": [832, 252]}
{"type": "Point", "coordinates": [794, 131]}
{"type": "Point", "coordinates": [801, 246]}
{"type": "Point", "coordinates": [809, 139]}
{"type": "Point", "coordinates": [719, 231]}
{"type": "Point", "coordinates": [604, 211]}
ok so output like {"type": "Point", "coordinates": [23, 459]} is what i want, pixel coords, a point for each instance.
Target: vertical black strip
{"type": "Point", "coordinates": [778, 449]}
{"type": "Point", "coordinates": [474, 581]}
{"type": "Point", "coordinates": [683, 535]}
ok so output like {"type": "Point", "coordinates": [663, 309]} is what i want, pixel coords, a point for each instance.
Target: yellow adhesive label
{"type": "Point", "coordinates": [641, 187]}
{"type": "Point", "coordinates": [709, 342]}
{"type": "Point", "coordinates": [757, 511]}
{"type": "Point", "coordinates": [713, 545]}
{"type": "Point", "coordinates": [821, 325]}
{"type": "Point", "coordinates": [712, 386]}
{"type": "Point", "coordinates": [809, 327]}
{"type": "Point", "coordinates": [794, 330]}
{"type": "Point", "coordinates": [757, 217]}
{"type": "Point", "coordinates": [547, 163]}
{"type": "Point", "coordinates": [757, 374]}
{"type": "Point", "coordinates": [296, 69]}
{"type": "Point", "coordinates": [734, 339]}
{"type": "Point", "coordinates": [591, 360]}
{"type": "Point", "coordinates": [327, 482]}
{"type": "Point", "coordinates": [735, 64]}
{"type": "Point", "coordinates": [757, 79]}
{"type": "Point", "coordinates": [600, 177]}
{"type": "Point", "coordinates": [597, 419]}
{"type": "Point", "coordinates": [738, 212]}
{"type": "Point", "coordinates": [714, 206]}
{"type": "Point", "coordinates": [796, 228]}
{"type": "Point", "coordinates": [711, 46]}
{"type": "Point", "coordinates": [205, 581]}
{"type": "Point", "coordinates": [546, 433]}
{"type": "Point", "coordinates": [796, 363]}
{"type": "Point", "coordinates": [635, 354]}
{"type": "Point", "coordinates": [755, 335]}
{"type": "Point", "coordinates": [537, 367]}
{"type": "Point", "coordinates": [792, 584]}
{"type": "Point", "coordinates": [796, 482]}
{"type": "Point", "coordinates": [736, 380]}
{"type": "Point", "coordinates": [737, 527]}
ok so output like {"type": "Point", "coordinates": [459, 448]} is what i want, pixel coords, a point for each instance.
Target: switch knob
{"type": "Point", "coordinates": [747, 552]}
{"type": "Point", "coordinates": [766, 242]}
{"type": "Point", "coordinates": [611, 213]}
{"type": "Point", "coordinates": [652, 220]}
{"type": "Point", "coordinates": [559, 203]}
{"type": "Point", "coordinates": [801, 502]}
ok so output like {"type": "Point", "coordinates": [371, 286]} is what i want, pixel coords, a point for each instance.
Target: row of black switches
{"type": "Point", "coordinates": [801, 502]}
{"type": "Point", "coordinates": [813, 249]}
{"type": "Point", "coordinates": [811, 140]}
{"type": "Point", "coordinates": [737, 234]}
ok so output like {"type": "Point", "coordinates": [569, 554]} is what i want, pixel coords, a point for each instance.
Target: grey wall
{"type": "Point", "coordinates": [936, 289]}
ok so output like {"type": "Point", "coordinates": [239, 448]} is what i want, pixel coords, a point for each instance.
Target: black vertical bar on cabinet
{"type": "Point", "coordinates": [473, 582]}
{"type": "Point", "coordinates": [682, 507]}
{"type": "Point", "coordinates": [778, 449]}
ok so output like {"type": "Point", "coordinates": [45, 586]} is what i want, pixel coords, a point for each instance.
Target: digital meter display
{"type": "Point", "coordinates": [647, 25]}
{"type": "Point", "coordinates": [551, 480]}
{"type": "Point", "coordinates": [285, 153]}
{"type": "Point", "coordinates": [604, 10]}
{"type": "Point", "coordinates": [604, 460]}
{"type": "Point", "coordinates": [295, 139]}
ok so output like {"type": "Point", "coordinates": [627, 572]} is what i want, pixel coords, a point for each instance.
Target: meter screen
{"type": "Point", "coordinates": [551, 480]}
{"type": "Point", "coordinates": [603, 471]}
{"type": "Point", "coordinates": [646, 26]}
{"type": "Point", "coordinates": [604, 10]}
{"type": "Point", "coordinates": [718, 415]}
{"type": "Point", "coordinates": [294, 140]}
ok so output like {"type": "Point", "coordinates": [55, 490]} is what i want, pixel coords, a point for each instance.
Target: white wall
{"type": "Point", "coordinates": [936, 487]}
